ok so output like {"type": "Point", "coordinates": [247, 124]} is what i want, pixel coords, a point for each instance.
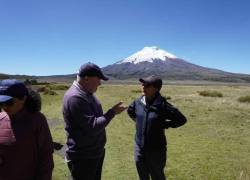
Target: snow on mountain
{"type": "Point", "coordinates": [148, 54]}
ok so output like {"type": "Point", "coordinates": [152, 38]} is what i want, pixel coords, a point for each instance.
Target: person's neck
{"type": "Point", "coordinates": [83, 87]}
{"type": "Point", "coordinates": [150, 99]}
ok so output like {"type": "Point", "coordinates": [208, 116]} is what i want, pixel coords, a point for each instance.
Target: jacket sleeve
{"type": "Point", "coordinates": [173, 117]}
{"type": "Point", "coordinates": [84, 116]}
{"type": "Point", "coordinates": [45, 150]}
{"type": "Point", "coordinates": [131, 111]}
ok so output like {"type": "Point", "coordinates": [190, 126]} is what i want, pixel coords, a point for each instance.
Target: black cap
{"type": "Point", "coordinates": [152, 80]}
{"type": "Point", "coordinates": [12, 88]}
{"type": "Point", "coordinates": [90, 69]}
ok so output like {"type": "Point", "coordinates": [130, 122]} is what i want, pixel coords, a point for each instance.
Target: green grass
{"type": "Point", "coordinates": [213, 145]}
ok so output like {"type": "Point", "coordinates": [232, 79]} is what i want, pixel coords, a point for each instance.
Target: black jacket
{"type": "Point", "coordinates": [151, 120]}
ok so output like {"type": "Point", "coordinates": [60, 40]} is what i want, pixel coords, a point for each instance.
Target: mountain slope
{"type": "Point", "coordinates": [152, 60]}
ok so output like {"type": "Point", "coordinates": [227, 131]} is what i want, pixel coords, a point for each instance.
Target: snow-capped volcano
{"type": "Point", "coordinates": [154, 61]}
{"type": "Point", "coordinates": [148, 54]}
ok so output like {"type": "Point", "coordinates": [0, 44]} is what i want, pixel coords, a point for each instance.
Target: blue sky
{"type": "Point", "coordinates": [49, 37]}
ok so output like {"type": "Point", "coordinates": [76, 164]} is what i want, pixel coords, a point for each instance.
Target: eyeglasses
{"type": "Point", "coordinates": [7, 103]}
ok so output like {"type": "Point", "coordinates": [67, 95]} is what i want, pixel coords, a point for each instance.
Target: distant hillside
{"type": "Point", "coordinates": [68, 78]}
{"type": "Point", "coordinates": [4, 76]}
{"type": "Point", "coordinates": [8, 76]}
{"type": "Point", "coordinates": [55, 78]}
{"type": "Point", "coordinates": [148, 61]}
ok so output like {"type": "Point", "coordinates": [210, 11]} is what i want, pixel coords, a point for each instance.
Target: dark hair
{"type": "Point", "coordinates": [33, 102]}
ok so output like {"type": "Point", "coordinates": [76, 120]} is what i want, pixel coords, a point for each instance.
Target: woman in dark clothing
{"type": "Point", "coordinates": [26, 147]}
{"type": "Point", "coordinates": [152, 114]}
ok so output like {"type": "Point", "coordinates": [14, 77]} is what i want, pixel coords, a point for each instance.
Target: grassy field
{"type": "Point", "coordinates": [213, 145]}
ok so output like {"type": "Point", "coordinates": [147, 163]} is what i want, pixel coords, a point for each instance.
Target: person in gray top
{"type": "Point", "coordinates": [85, 124]}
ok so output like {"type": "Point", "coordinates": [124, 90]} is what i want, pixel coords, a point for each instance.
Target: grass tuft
{"type": "Point", "coordinates": [136, 91]}
{"type": "Point", "coordinates": [208, 93]}
{"type": "Point", "coordinates": [58, 87]}
{"type": "Point", "coordinates": [244, 99]}
{"type": "Point", "coordinates": [49, 92]}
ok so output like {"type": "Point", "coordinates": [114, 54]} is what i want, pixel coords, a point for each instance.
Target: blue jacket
{"type": "Point", "coordinates": [152, 119]}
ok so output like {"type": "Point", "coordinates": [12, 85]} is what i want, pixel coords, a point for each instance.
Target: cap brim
{"type": "Point", "coordinates": [143, 80]}
{"type": "Point", "coordinates": [4, 98]}
{"type": "Point", "coordinates": [105, 78]}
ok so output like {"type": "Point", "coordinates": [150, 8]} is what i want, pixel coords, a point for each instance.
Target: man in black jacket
{"type": "Point", "coordinates": [152, 114]}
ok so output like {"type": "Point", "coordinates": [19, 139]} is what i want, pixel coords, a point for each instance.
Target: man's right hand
{"type": "Point", "coordinates": [119, 107]}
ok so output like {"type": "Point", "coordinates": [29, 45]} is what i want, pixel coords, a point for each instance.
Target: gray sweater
{"type": "Point", "coordinates": [84, 124]}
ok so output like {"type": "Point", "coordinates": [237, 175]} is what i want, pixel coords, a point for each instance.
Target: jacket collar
{"type": "Point", "coordinates": [157, 100]}
{"type": "Point", "coordinates": [3, 115]}
{"type": "Point", "coordinates": [80, 88]}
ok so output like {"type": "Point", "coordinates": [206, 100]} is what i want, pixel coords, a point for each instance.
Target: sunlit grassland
{"type": "Point", "coordinates": [214, 144]}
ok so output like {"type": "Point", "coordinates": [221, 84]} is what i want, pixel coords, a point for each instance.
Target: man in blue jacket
{"type": "Point", "coordinates": [85, 124]}
{"type": "Point", "coordinates": [152, 114]}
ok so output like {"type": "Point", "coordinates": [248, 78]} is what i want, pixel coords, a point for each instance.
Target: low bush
{"type": "Point", "coordinates": [49, 92]}
{"type": "Point", "coordinates": [245, 99]}
{"type": "Point", "coordinates": [34, 82]}
{"type": "Point", "coordinates": [136, 91]}
{"type": "Point", "coordinates": [210, 93]}
{"type": "Point", "coordinates": [58, 87]}
{"type": "Point", "coordinates": [50, 89]}
{"type": "Point", "coordinates": [42, 89]}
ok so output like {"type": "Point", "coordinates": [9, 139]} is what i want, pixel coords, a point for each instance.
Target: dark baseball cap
{"type": "Point", "coordinates": [12, 88]}
{"type": "Point", "coordinates": [153, 80]}
{"type": "Point", "coordinates": [90, 69]}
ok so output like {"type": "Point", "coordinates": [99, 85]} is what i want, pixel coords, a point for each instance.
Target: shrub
{"type": "Point", "coordinates": [42, 89]}
{"type": "Point", "coordinates": [50, 89]}
{"type": "Point", "coordinates": [34, 82]}
{"type": "Point", "coordinates": [210, 93]}
{"type": "Point", "coordinates": [49, 92]}
{"type": "Point", "coordinates": [30, 82]}
{"type": "Point", "coordinates": [245, 99]}
{"type": "Point", "coordinates": [58, 87]}
{"type": "Point", "coordinates": [136, 91]}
